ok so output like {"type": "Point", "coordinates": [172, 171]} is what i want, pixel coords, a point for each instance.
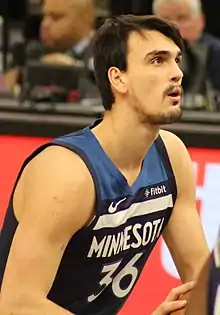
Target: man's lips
{"type": "Point", "coordinates": [175, 94]}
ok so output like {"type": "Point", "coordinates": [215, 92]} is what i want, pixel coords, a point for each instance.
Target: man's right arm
{"type": "Point", "coordinates": [50, 205]}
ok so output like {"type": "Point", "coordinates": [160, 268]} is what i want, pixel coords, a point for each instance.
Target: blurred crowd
{"type": "Point", "coordinates": [57, 42]}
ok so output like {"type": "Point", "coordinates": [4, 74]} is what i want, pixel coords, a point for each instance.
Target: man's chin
{"type": "Point", "coordinates": [48, 43]}
{"type": "Point", "coordinates": [170, 117]}
{"type": "Point", "coordinates": [174, 115]}
{"type": "Point", "coordinates": [173, 119]}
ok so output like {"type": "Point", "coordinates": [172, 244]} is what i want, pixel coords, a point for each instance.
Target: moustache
{"type": "Point", "coordinates": [173, 89]}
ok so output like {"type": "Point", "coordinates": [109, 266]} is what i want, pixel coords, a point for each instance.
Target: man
{"type": "Point", "coordinates": [201, 46]}
{"type": "Point", "coordinates": [66, 32]}
{"type": "Point", "coordinates": [88, 208]}
{"type": "Point", "coordinates": [67, 26]}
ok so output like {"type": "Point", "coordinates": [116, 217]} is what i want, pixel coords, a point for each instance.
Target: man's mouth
{"type": "Point", "coordinates": [175, 94]}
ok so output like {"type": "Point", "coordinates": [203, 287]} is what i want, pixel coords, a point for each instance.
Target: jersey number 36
{"type": "Point", "coordinates": [128, 270]}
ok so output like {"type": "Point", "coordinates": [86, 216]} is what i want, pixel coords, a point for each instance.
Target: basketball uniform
{"type": "Point", "coordinates": [103, 261]}
{"type": "Point", "coordinates": [214, 281]}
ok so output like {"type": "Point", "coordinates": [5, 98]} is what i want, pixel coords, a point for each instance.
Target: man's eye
{"type": "Point", "coordinates": [157, 61]}
{"type": "Point", "coordinates": [178, 61]}
{"type": "Point", "coordinates": [56, 17]}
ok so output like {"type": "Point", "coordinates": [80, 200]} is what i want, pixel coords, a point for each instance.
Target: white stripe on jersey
{"type": "Point", "coordinates": [135, 210]}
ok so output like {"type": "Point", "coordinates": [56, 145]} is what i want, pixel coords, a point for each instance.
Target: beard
{"type": "Point", "coordinates": [158, 118]}
{"type": "Point", "coordinates": [164, 118]}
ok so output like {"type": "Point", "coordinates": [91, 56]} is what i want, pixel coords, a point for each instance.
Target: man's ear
{"type": "Point", "coordinates": [117, 80]}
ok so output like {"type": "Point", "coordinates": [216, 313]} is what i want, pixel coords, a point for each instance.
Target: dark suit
{"type": "Point", "coordinates": [213, 61]}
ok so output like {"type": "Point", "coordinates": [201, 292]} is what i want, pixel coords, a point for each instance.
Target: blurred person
{"type": "Point", "coordinates": [212, 9]}
{"type": "Point", "coordinates": [66, 32]}
{"type": "Point", "coordinates": [205, 298]}
{"type": "Point", "coordinates": [67, 26]}
{"type": "Point", "coordinates": [88, 208]}
{"type": "Point", "coordinates": [188, 16]}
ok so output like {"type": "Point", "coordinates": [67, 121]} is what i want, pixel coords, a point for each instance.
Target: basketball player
{"type": "Point", "coordinates": [88, 208]}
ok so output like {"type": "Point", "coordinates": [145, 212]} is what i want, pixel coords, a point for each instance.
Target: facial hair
{"type": "Point", "coordinates": [165, 118]}
{"type": "Point", "coordinates": [156, 119]}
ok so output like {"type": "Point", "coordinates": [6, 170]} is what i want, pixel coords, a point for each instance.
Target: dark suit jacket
{"type": "Point", "coordinates": [213, 61]}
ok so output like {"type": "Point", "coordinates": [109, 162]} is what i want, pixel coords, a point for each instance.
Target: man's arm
{"type": "Point", "coordinates": [184, 234]}
{"type": "Point", "coordinates": [50, 206]}
{"type": "Point", "coordinates": [197, 300]}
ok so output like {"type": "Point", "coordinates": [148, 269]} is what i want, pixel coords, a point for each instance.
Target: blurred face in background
{"type": "Point", "coordinates": [182, 13]}
{"type": "Point", "coordinates": [65, 22]}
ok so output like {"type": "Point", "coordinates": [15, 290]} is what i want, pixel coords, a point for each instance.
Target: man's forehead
{"type": "Point", "coordinates": [150, 40]}
{"type": "Point", "coordinates": [57, 5]}
{"type": "Point", "coordinates": [180, 5]}
{"type": "Point", "coordinates": [170, 10]}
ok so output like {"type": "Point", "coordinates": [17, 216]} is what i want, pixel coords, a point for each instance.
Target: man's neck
{"type": "Point", "coordinates": [125, 140]}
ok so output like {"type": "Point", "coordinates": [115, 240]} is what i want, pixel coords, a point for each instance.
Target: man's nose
{"type": "Point", "coordinates": [177, 74]}
{"type": "Point", "coordinates": [46, 22]}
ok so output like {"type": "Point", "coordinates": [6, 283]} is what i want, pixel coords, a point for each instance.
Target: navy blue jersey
{"type": "Point", "coordinates": [214, 281]}
{"type": "Point", "coordinates": [104, 260]}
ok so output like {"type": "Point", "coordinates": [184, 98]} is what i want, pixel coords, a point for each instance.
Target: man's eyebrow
{"type": "Point", "coordinates": [165, 53]}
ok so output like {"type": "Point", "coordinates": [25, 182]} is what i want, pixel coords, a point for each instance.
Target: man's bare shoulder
{"type": "Point", "coordinates": [171, 140]}
{"type": "Point", "coordinates": [178, 154]}
{"type": "Point", "coordinates": [60, 160]}
{"type": "Point", "coordinates": [175, 147]}
{"type": "Point", "coordinates": [56, 177]}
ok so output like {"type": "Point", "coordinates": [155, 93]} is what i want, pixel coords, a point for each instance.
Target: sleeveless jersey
{"type": "Point", "coordinates": [214, 281]}
{"type": "Point", "coordinates": [103, 261]}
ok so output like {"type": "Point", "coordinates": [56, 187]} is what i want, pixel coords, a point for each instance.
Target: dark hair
{"type": "Point", "coordinates": [110, 46]}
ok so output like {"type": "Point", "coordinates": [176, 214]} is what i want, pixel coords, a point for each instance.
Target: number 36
{"type": "Point", "coordinates": [129, 269]}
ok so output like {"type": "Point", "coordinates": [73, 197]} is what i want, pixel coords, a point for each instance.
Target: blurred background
{"type": "Point", "coordinates": [47, 89]}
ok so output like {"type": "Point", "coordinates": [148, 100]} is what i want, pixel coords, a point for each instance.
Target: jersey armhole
{"type": "Point", "coordinates": [162, 150]}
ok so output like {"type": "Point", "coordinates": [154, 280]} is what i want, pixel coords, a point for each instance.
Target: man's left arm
{"type": "Point", "coordinates": [184, 235]}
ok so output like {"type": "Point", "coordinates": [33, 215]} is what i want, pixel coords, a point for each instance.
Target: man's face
{"type": "Point", "coordinates": [153, 77]}
{"type": "Point", "coordinates": [190, 23]}
{"type": "Point", "coordinates": [60, 28]}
